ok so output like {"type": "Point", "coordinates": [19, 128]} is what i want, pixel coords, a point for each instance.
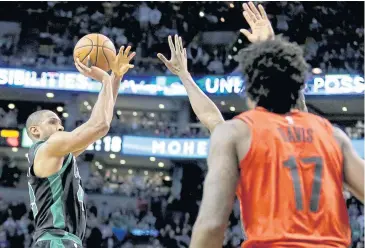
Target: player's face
{"type": "Point", "coordinates": [49, 125]}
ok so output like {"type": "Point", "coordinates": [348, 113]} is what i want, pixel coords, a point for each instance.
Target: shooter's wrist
{"type": "Point", "coordinates": [184, 74]}
{"type": "Point", "coordinates": [116, 77]}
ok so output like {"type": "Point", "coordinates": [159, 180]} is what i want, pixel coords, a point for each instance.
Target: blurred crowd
{"type": "Point", "coordinates": [355, 131]}
{"type": "Point", "coordinates": [44, 33]}
{"type": "Point", "coordinates": [9, 118]}
{"type": "Point", "coordinates": [133, 184]}
{"type": "Point", "coordinates": [143, 123]}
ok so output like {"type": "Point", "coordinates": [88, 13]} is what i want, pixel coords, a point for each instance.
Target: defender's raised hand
{"type": "Point", "coordinates": [121, 65]}
{"type": "Point", "coordinates": [260, 25]}
{"type": "Point", "coordinates": [91, 71]}
{"type": "Point", "coordinates": [178, 63]}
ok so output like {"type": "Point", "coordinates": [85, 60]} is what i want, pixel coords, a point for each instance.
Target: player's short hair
{"type": "Point", "coordinates": [274, 72]}
{"type": "Point", "coordinates": [33, 120]}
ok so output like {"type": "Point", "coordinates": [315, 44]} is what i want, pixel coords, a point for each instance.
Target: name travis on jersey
{"type": "Point", "coordinates": [293, 134]}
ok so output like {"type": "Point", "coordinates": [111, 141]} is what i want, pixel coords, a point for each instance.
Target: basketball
{"type": "Point", "coordinates": [100, 49]}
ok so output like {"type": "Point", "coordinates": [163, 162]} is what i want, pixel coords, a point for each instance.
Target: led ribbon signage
{"type": "Point", "coordinates": [166, 85]}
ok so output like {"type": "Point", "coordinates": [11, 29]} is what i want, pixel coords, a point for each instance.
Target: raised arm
{"type": "Point", "coordinates": [203, 107]}
{"type": "Point", "coordinates": [49, 156]}
{"type": "Point", "coordinates": [119, 67]}
{"type": "Point", "coordinates": [353, 165]}
{"type": "Point", "coordinates": [61, 143]}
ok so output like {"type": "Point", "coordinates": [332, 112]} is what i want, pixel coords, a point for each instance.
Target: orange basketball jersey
{"type": "Point", "coordinates": [290, 187]}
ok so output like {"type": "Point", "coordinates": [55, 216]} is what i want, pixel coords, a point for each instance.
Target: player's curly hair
{"type": "Point", "coordinates": [274, 72]}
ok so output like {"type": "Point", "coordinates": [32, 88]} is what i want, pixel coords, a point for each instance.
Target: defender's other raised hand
{"type": "Point", "coordinates": [91, 71]}
{"type": "Point", "coordinates": [121, 65]}
{"type": "Point", "coordinates": [260, 25]}
{"type": "Point", "coordinates": [178, 64]}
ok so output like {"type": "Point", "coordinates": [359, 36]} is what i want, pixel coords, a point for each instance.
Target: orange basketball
{"type": "Point", "coordinates": [100, 49]}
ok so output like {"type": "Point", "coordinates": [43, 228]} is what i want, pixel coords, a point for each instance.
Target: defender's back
{"type": "Point", "coordinates": [290, 187]}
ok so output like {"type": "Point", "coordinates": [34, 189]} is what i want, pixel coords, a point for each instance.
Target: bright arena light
{"type": "Point", "coordinates": [50, 95]}
{"type": "Point", "coordinates": [122, 161]}
{"type": "Point", "coordinates": [65, 115]}
{"type": "Point", "coordinates": [59, 109]}
{"type": "Point", "coordinates": [11, 106]}
{"type": "Point", "coordinates": [160, 164]}
{"type": "Point", "coordinates": [316, 70]}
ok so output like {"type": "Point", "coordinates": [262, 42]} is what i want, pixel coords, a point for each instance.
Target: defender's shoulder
{"type": "Point", "coordinates": [235, 129]}
{"type": "Point", "coordinates": [318, 119]}
{"type": "Point", "coordinates": [248, 116]}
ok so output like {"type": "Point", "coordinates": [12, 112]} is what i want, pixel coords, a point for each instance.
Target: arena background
{"type": "Point", "coordinates": [144, 179]}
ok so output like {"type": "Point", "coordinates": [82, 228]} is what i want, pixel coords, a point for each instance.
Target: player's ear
{"type": "Point", "coordinates": [34, 130]}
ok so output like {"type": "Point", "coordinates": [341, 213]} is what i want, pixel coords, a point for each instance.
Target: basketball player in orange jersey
{"type": "Point", "coordinates": [285, 166]}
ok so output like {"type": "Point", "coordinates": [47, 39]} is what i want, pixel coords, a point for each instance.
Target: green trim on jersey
{"type": "Point", "coordinates": [55, 182]}
{"type": "Point", "coordinates": [63, 168]}
{"type": "Point", "coordinates": [52, 237]}
{"type": "Point", "coordinates": [57, 206]}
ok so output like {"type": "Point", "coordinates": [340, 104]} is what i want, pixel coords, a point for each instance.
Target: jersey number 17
{"type": "Point", "coordinates": [291, 163]}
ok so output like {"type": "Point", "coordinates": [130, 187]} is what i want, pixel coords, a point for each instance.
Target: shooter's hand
{"type": "Point", "coordinates": [91, 71]}
{"type": "Point", "coordinates": [121, 65]}
{"type": "Point", "coordinates": [260, 25]}
{"type": "Point", "coordinates": [178, 64]}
